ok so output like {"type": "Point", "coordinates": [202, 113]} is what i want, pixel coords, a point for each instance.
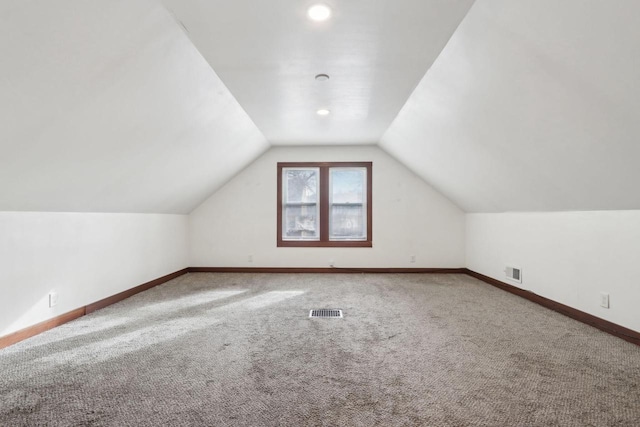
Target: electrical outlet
{"type": "Point", "coordinates": [250, 258]}
{"type": "Point", "coordinates": [53, 299]}
{"type": "Point", "coordinates": [331, 263]}
{"type": "Point", "coordinates": [412, 259]}
{"type": "Point", "coordinates": [604, 299]}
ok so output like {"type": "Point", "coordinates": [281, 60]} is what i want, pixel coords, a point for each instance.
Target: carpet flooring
{"type": "Point", "coordinates": [211, 349]}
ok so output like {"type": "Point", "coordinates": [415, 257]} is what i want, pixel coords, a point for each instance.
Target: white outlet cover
{"type": "Point", "coordinates": [53, 299]}
{"type": "Point", "coordinates": [604, 299]}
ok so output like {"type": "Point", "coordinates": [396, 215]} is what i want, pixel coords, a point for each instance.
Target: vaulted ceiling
{"type": "Point", "coordinates": [151, 105]}
{"type": "Point", "coordinates": [534, 105]}
{"type": "Point", "coordinates": [107, 106]}
{"type": "Point", "coordinates": [268, 52]}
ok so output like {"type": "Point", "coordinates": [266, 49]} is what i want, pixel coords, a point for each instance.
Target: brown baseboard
{"type": "Point", "coordinates": [323, 270]}
{"type": "Point", "coordinates": [604, 325]}
{"type": "Point", "coordinates": [36, 329]}
{"type": "Point", "coordinates": [130, 292]}
{"type": "Point", "coordinates": [30, 331]}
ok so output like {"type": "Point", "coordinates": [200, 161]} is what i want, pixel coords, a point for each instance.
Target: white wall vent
{"type": "Point", "coordinates": [514, 273]}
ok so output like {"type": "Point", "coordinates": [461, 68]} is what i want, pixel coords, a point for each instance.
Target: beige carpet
{"type": "Point", "coordinates": [239, 350]}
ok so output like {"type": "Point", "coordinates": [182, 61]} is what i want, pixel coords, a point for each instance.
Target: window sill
{"type": "Point", "coordinates": [330, 244]}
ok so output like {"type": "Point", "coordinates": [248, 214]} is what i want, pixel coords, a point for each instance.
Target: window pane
{"type": "Point", "coordinates": [348, 185]}
{"type": "Point", "coordinates": [348, 222]}
{"type": "Point", "coordinates": [347, 197]}
{"type": "Point", "coordinates": [300, 216]}
{"type": "Point", "coordinates": [300, 222]}
{"type": "Point", "coordinates": [301, 185]}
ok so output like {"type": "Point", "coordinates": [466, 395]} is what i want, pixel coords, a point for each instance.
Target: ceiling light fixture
{"type": "Point", "coordinates": [322, 77]}
{"type": "Point", "coordinates": [323, 112]}
{"type": "Point", "coordinates": [319, 12]}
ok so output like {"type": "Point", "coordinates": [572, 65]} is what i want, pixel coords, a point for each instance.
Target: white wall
{"type": "Point", "coordinates": [409, 218]}
{"type": "Point", "coordinates": [84, 257]}
{"type": "Point", "coordinates": [569, 257]}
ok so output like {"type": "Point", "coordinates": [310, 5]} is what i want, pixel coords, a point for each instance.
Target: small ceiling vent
{"type": "Point", "coordinates": [514, 273]}
{"type": "Point", "coordinates": [325, 313]}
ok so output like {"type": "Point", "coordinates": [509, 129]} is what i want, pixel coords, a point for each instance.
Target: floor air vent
{"type": "Point", "coordinates": [325, 312]}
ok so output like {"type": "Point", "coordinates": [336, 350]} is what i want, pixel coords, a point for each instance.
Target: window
{"type": "Point", "coordinates": [324, 204]}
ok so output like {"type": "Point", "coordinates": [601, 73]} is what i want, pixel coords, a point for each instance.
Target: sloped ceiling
{"type": "Point", "coordinates": [534, 105]}
{"type": "Point", "coordinates": [268, 52]}
{"type": "Point", "coordinates": [116, 106]}
{"type": "Point", "coordinates": [107, 106]}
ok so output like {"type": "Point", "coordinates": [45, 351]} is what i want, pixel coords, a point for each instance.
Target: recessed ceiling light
{"type": "Point", "coordinates": [323, 112]}
{"type": "Point", "coordinates": [319, 12]}
{"type": "Point", "coordinates": [322, 77]}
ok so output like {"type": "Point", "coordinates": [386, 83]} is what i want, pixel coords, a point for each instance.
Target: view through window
{"type": "Point", "coordinates": [324, 204]}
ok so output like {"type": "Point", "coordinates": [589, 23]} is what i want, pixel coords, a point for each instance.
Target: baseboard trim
{"type": "Point", "coordinates": [130, 292]}
{"type": "Point", "coordinates": [589, 319]}
{"type": "Point", "coordinates": [604, 325]}
{"type": "Point", "coordinates": [38, 328]}
{"type": "Point", "coordinates": [323, 270]}
{"type": "Point", "coordinates": [30, 331]}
